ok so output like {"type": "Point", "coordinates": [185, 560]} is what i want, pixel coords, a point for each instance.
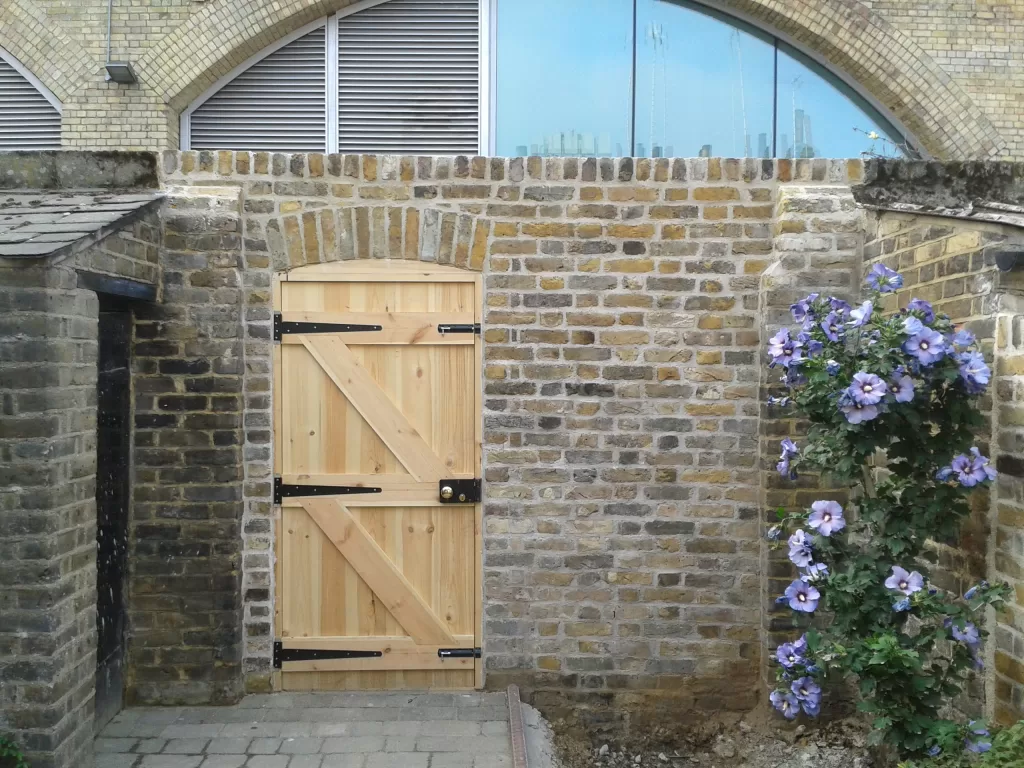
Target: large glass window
{"type": "Point", "coordinates": [563, 77]}
{"type": "Point", "coordinates": [660, 78]}
{"type": "Point", "coordinates": [818, 117]}
{"type": "Point", "coordinates": [703, 87]}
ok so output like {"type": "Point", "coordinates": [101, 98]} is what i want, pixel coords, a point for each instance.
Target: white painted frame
{"type": "Point", "coordinates": [485, 110]}
{"type": "Point", "coordinates": [45, 92]}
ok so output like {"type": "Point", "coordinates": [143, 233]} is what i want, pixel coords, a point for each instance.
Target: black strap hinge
{"type": "Point", "coordinates": [282, 655]}
{"type": "Point", "coordinates": [282, 327]}
{"type": "Point", "coordinates": [458, 653]}
{"type": "Point", "coordinates": [284, 490]}
{"type": "Point", "coordinates": [444, 328]}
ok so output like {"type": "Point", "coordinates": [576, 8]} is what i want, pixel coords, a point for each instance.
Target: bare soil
{"type": "Point", "coordinates": [756, 740]}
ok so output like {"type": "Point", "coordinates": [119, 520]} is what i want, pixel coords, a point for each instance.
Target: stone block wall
{"type": "Point", "coordinates": [48, 355]}
{"type": "Point", "coordinates": [185, 530]}
{"type": "Point", "coordinates": [818, 236]}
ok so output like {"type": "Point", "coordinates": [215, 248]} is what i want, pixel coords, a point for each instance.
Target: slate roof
{"type": "Point", "coordinates": [42, 224]}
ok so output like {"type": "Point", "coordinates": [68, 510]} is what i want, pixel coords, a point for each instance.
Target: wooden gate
{"type": "Point", "coordinates": [377, 436]}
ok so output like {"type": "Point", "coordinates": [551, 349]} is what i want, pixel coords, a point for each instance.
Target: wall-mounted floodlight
{"type": "Point", "coordinates": [121, 72]}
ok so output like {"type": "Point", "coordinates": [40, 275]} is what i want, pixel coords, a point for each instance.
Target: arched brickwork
{"type": "Point", "coordinates": [886, 63]}
{"type": "Point", "coordinates": [407, 233]}
{"type": "Point", "coordinates": [44, 48]}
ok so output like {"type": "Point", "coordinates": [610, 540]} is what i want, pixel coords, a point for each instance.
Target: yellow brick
{"type": "Point", "coordinates": [673, 232]}
{"type": "Point", "coordinates": [506, 229]}
{"type": "Point", "coordinates": [677, 193]}
{"type": "Point", "coordinates": [552, 283]}
{"type": "Point", "coordinates": [587, 231]}
{"type": "Point", "coordinates": [591, 193]}
{"type": "Point", "coordinates": [709, 358]}
{"type": "Point", "coordinates": [707, 476]}
{"type": "Point", "coordinates": [494, 372]}
{"type": "Point", "coordinates": [639, 231]}
{"type": "Point", "coordinates": [668, 374]}
{"type": "Point", "coordinates": [629, 265]}
{"type": "Point", "coordinates": [715, 194]}
{"type": "Point", "coordinates": [716, 212]}
{"type": "Point", "coordinates": [710, 409]}
{"type": "Point", "coordinates": [548, 229]}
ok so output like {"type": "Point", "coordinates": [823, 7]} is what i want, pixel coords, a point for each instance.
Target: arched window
{"type": "Point", "coordinates": [650, 78]}
{"type": "Point", "coordinates": [393, 76]}
{"type": "Point", "coordinates": [29, 113]}
{"type": "Point", "coordinates": [661, 78]}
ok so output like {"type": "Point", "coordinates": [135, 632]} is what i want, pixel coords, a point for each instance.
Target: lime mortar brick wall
{"type": "Point", "coordinates": [621, 384]}
{"type": "Point", "coordinates": [951, 264]}
{"type": "Point", "coordinates": [951, 72]}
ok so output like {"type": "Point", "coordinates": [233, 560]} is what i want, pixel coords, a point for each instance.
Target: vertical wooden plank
{"type": "Point", "coordinates": [478, 457]}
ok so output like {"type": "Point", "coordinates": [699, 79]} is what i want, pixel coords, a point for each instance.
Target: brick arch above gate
{"type": "Point", "coordinates": [886, 63]}
{"type": "Point", "coordinates": [378, 232]}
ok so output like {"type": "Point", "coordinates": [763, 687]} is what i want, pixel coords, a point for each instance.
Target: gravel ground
{"type": "Point", "coordinates": [743, 744]}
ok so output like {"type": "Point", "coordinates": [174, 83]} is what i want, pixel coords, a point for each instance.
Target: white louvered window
{"type": "Point", "coordinates": [408, 78]}
{"type": "Point", "coordinates": [390, 76]}
{"type": "Point", "coordinates": [277, 104]}
{"type": "Point", "coordinates": [29, 118]}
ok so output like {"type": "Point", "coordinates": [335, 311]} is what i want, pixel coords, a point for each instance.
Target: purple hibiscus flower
{"type": "Point", "coordinates": [927, 346]}
{"type": "Point", "coordinates": [902, 581]}
{"type": "Point", "coordinates": [861, 314]}
{"type": "Point", "coordinates": [789, 451]}
{"type": "Point", "coordinates": [970, 593]}
{"type": "Point", "coordinates": [808, 693]}
{"type": "Point", "coordinates": [969, 635]}
{"type": "Point", "coordinates": [790, 655]}
{"type": "Point", "coordinates": [826, 517]}
{"type": "Point", "coordinates": [912, 326]}
{"type": "Point", "coordinates": [855, 412]}
{"type": "Point", "coordinates": [969, 470]}
{"type": "Point", "coordinates": [782, 349]}
{"type": "Point", "coordinates": [814, 573]}
{"type": "Point", "coordinates": [866, 388]}
{"type": "Point", "coordinates": [924, 308]}
{"type": "Point", "coordinates": [832, 326]}
{"type": "Point", "coordinates": [963, 338]}
{"type": "Point", "coordinates": [902, 389]}
{"type": "Point", "coordinates": [883, 279]}
{"type": "Point", "coordinates": [901, 605]}
{"type": "Point", "coordinates": [832, 367]}
{"type": "Point", "coordinates": [786, 703]}
{"type": "Point", "coordinates": [802, 596]}
{"type": "Point", "coordinates": [800, 549]}
{"type": "Point", "coordinates": [802, 308]}
{"type": "Point", "coordinates": [839, 306]}
{"type": "Point", "coordinates": [973, 371]}
{"type": "Point", "coordinates": [978, 747]}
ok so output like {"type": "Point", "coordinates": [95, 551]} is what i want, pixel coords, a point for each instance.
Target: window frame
{"type": "Point", "coordinates": [488, 72]}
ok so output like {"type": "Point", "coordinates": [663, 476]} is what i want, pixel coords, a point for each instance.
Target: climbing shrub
{"type": "Point", "coordinates": [902, 386]}
{"type": "Point", "coordinates": [11, 755]}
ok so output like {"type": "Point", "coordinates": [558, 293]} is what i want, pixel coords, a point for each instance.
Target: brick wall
{"type": "Point", "coordinates": [184, 549]}
{"type": "Point", "coordinates": [951, 264]}
{"type": "Point", "coordinates": [621, 388]}
{"type": "Point", "coordinates": [951, 73]}
{"type": "Point", "coordinates": [818, 240]}
{"type": "Point", "coordinates": [48, 354]}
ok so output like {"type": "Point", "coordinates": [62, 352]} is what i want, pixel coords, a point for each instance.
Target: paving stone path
{"type": "Point", "coordinates": [321, 730]}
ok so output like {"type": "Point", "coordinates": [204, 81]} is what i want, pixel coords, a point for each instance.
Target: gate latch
{"type": "Point", "coordinates": [444, 328]}
{"type": "Point", "coordinates": [459, 491]}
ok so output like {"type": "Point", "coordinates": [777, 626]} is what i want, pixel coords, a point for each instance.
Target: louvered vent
{"type": "Point", "coordinates": [278, 104]}
{"type": "Point", "coordinates": [409, 78]}
{"type": "Point", "coordinates": [27, 119]}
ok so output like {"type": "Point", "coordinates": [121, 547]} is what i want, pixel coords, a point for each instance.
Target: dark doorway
{"type": "Point", "coordinates": [113, 458]}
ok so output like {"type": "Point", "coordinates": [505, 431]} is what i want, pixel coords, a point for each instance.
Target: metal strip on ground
{"type": "Point", "coordinates": [518, 732]}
